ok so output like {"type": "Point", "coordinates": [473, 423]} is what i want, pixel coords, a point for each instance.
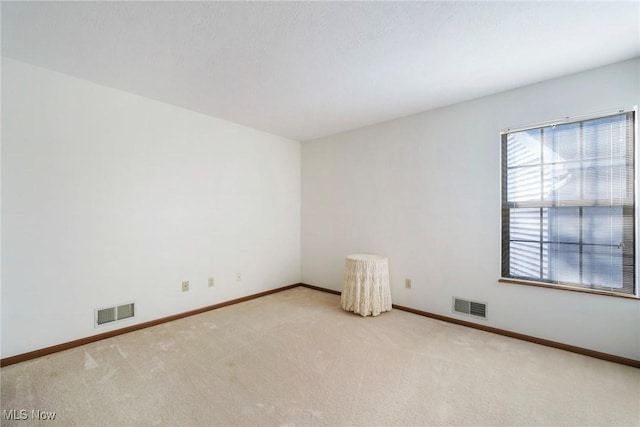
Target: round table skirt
{"type": "Point", "coordinates": [366, 285]}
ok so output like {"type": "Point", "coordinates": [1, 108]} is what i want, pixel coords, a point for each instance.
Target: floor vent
{"type": "Point", "coordinates": [115, 313]}
{"type": "Point", "coordinates": [471, 308]}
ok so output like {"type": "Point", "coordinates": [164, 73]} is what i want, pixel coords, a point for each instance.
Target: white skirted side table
{"type": "Point", "coordinates": [366, 285]}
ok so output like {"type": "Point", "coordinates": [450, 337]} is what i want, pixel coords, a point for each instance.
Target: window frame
{"type": "Point", "coordinates": [631, 244]}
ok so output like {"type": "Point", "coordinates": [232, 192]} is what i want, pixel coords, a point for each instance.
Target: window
{"type": "Point", "coordinates": [568, 205]}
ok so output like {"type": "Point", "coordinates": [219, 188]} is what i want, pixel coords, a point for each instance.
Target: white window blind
{"type": "Point", "coordinates": [568, 203]}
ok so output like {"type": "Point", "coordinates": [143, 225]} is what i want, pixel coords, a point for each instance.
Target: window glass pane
{"type": "Point", "coordinates": [602, 266]}
{"type": "Point", "coordinates": [523, 148]}
{"type": "Point", "coordinates": [525, 224]}
{"type": "Point", "coordinates": [523, 183]}
{"type": "Point", "coordinates": [562, 143]}
{"type": "Point", "coordinates": [562, 262]}
{"type": "Point", "coordinates": [562, 181]}
{"type": "Point", "coordinates": [602, 225]}
{"type": "Point", "coordinates": [622, 184]}
{"type": "Point", "coordinates": [605, 182]}
{"type": "Point", "coordinates": [563, 225]}
{"type": "Point", "coordinates": [525, 260]}
{"type": "Point", "coordinates": [605, 137]}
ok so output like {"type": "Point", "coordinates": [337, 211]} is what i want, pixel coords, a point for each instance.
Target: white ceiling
{"type": "Point", "coordinates": [308, 69]}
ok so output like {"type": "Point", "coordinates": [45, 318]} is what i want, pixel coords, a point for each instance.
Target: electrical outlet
{"type": "Point", "coordinates": [238, 277]}
{"type": "Point", "coordinates": [185, 286]}
{"type": "Point", "coordinates": [210, 282]}
{"type": "Point", "coordinates": [407, 283]}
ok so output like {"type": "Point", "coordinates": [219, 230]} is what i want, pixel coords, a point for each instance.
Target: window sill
{"type": "Point", "coordinates": [567, 288]}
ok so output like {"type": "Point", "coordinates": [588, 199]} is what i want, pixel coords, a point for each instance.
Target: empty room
{"type": "Point", "coordinates": [320, 213]}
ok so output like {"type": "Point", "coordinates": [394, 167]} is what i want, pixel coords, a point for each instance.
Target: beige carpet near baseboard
{"type": "Point", "coordinates": [295, 358]}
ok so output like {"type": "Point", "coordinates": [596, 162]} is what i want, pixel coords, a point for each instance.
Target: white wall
{"type": "Point", "coordinates": [110, 197]}
{"type": "Point", "coordinates": [425, 191]}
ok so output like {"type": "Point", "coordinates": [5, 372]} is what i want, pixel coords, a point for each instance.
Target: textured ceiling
{"type": "Point", "coordinates": [308, 69]}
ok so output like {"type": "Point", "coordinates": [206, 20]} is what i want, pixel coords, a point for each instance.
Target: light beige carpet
{"type": "Point", "coordinates": [295, 358]}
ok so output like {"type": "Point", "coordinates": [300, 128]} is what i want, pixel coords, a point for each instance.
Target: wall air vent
{"type": "Point", "coordinates": [470, 308]}
{"type": "Point", "coordinates": [106, 315]}
{"type": "Point", "coordinates": [113, 314]}
{"type": "Point", "coordinates": [125, 311]}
